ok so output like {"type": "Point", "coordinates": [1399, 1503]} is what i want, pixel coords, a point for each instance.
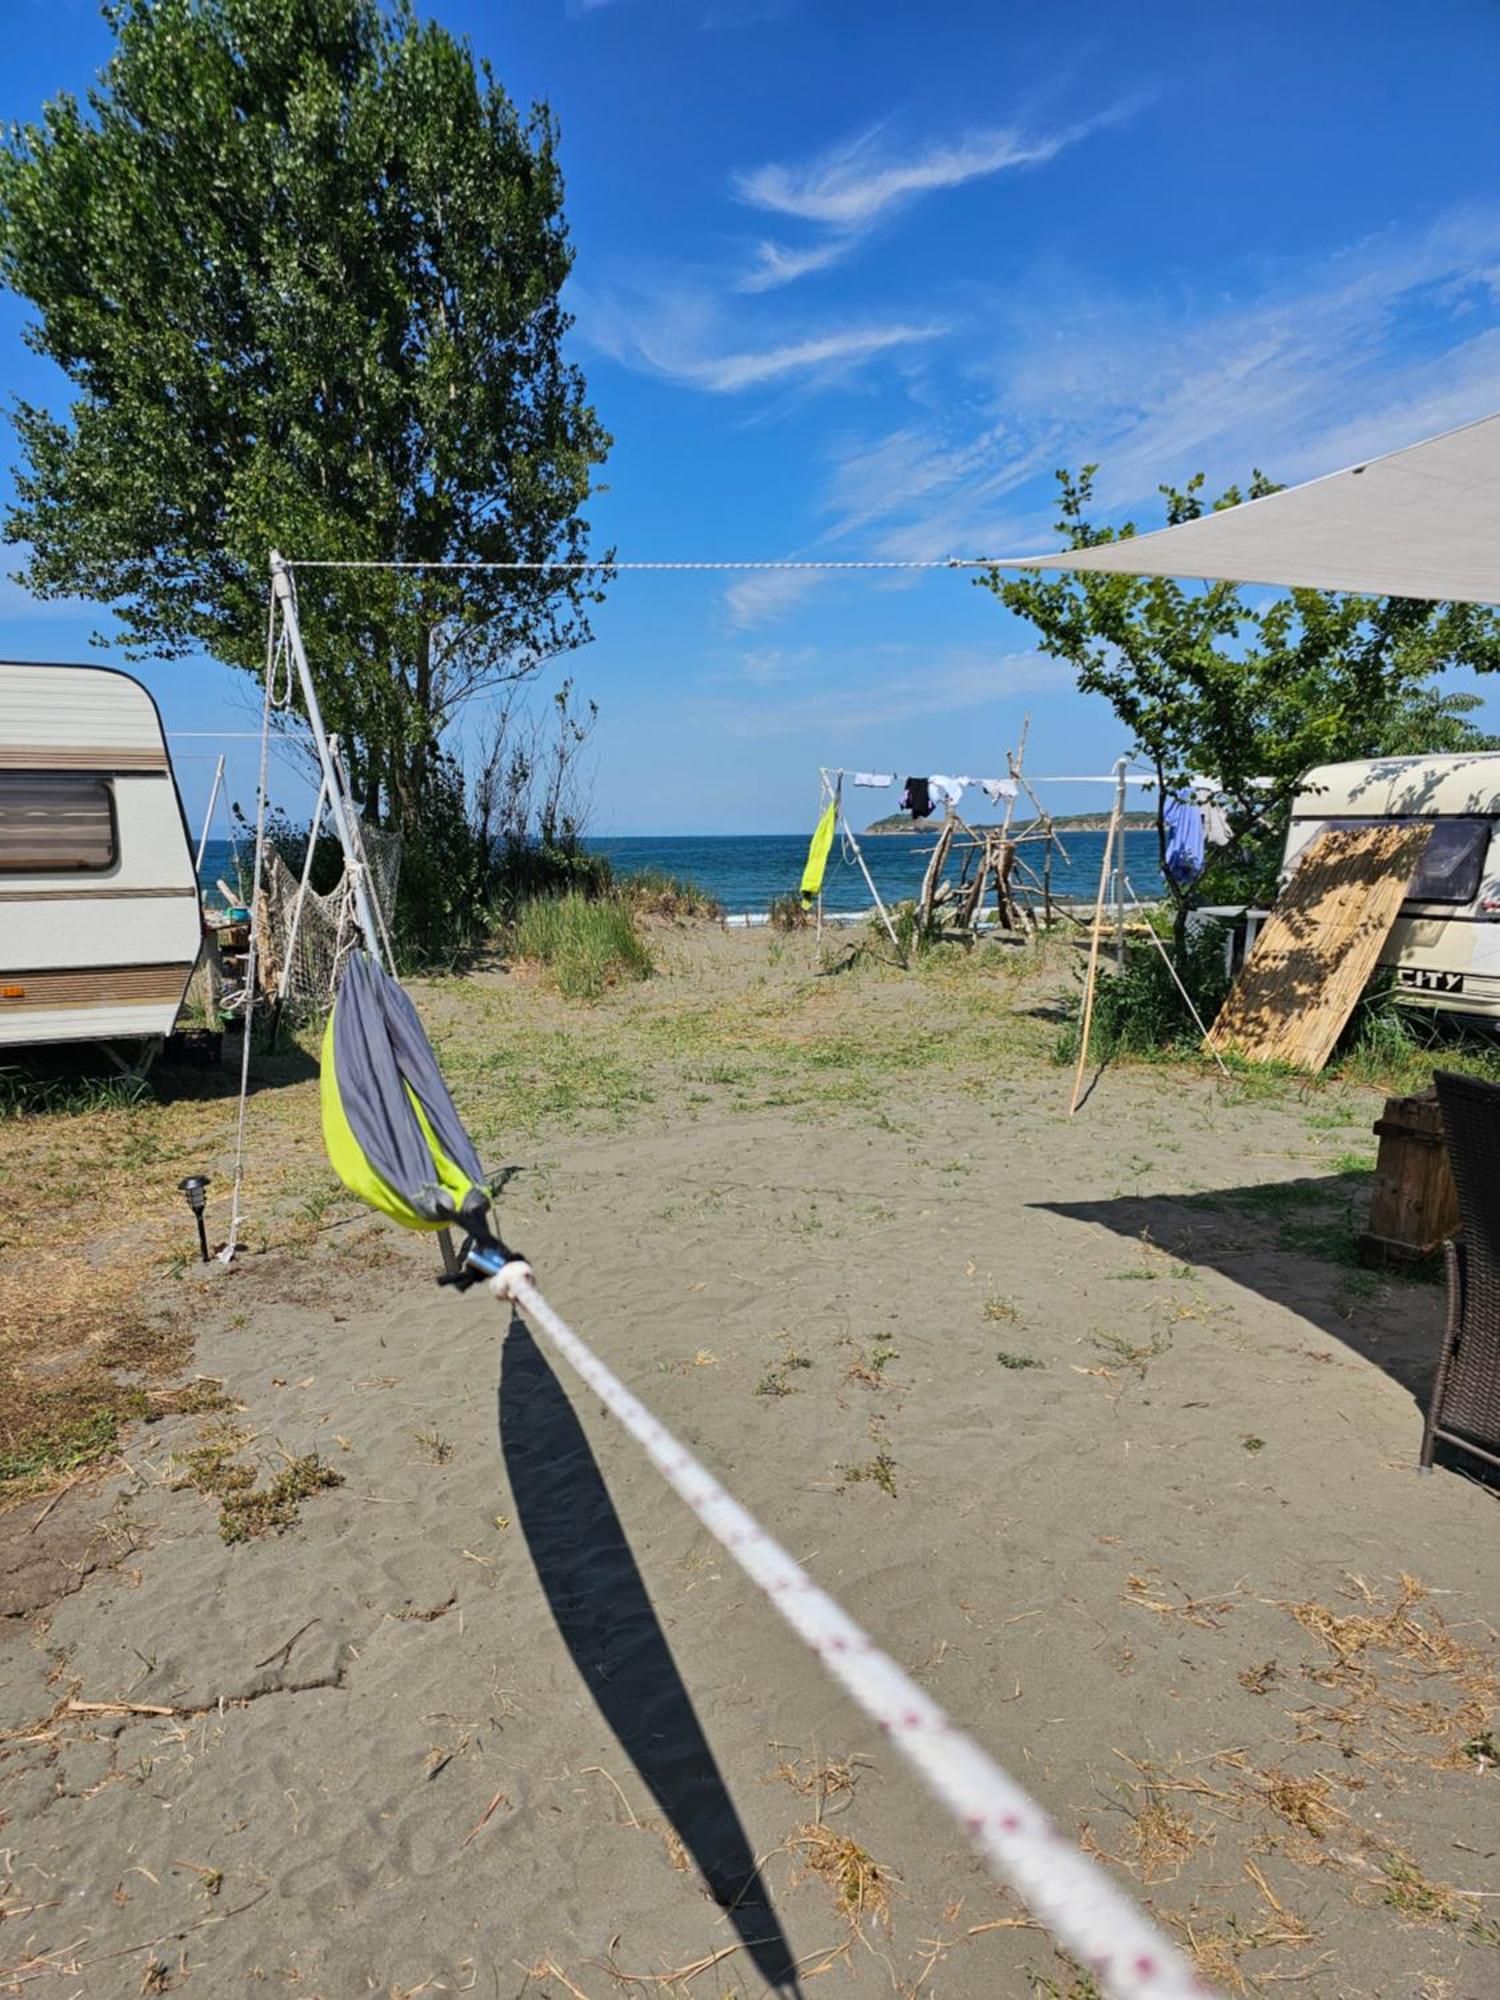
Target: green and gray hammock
{"type": "Point", "coordinates": [392, 1133]}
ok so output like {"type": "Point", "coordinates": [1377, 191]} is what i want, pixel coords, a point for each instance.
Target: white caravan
{"type": "Point", "coordinates": [1445, 945]}
{"type": "Point", "coordinates": [100, 921]}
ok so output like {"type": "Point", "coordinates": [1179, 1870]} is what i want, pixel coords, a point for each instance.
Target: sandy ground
{"type": "Point", "coordinates": [1094, 1424]}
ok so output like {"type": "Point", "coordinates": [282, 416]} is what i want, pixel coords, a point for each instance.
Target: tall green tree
{"type": "Point", "coordinates": [301, 263]}
{"type": "Point", "coordinates": [1250, 693]}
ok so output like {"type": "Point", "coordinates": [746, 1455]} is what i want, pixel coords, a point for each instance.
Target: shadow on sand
{"type": "Point", "coordinates": [599, 1599]}
{"type": "Point", "coordinates": [1293, 1242]}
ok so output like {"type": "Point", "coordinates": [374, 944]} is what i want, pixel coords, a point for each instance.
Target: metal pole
{"type": "Point", "coordinates": [281, 585]}
{"type": "Point", "coordinates": [208, 817]}
{"type": "Point", "coordinates": [870, 880]}
{"type": "Point", "coordinates": [1121, 764]}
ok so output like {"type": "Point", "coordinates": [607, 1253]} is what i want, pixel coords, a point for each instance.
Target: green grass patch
{"type": "Point", "coordinates": [587, 945]}
{"type": "Point", "coordinates": [72, 1443]}
{"type": "Point", "coordinates": [22, 1094]}
{"type": "Point", "coordinates": [247, 1509]}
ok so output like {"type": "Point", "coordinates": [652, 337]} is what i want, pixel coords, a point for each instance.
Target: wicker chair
{"type": "Point", "coordinates": [1465, 1406]}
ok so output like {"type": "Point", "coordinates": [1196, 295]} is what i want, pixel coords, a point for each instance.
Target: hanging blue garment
{"type": "Point", "coordinates": [1185, 841]}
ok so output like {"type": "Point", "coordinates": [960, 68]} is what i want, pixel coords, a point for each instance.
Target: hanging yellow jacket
{"type": "Point", "coordinates": [817, 855]}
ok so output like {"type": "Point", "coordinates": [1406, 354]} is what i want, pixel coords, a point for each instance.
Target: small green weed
{"type": "Point", "coordinates": [777, 1380]}
{"type": "Point", "coordinates": [1009, 1360]}
{"type": "Point", "coordinates": [1410, 1892]}
{"type": "Point", "coordinates": [877, 1471]}
{"type": "Point", "coordinates": [1000, 1310]}
{"type": "Point", "coordinates": [1131, 1353]}
{"type": "Point", "coordinates": [1084, 1987]}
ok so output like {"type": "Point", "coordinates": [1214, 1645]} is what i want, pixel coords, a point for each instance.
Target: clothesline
{"type": "Point", "coordinates": [601, 562]}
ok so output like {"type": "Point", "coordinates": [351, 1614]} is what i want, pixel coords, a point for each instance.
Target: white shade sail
{"type": "Point", "coordinates": [1423, 522]}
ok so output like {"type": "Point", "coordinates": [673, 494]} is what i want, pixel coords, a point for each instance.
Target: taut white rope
{"type": "Point", "coordinates": [1083, 1909]}
{"type": "Point", "coordinates": [602, 562]}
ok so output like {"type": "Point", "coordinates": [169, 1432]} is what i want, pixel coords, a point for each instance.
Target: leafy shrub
{"type": "Point", "coordinates": [526, 871]}
{"type": "Point", "coordinates": [652, 892]}
{"type": "Point", "coordinates": [1139, 1011]}
{"type": "Point", "coordinates": [586, 943]}
{"type": "Point", "coordinates": [787, 914]}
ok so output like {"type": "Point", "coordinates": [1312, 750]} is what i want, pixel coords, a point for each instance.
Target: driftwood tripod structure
{"type": "Point", "coordinates": [993, 855]}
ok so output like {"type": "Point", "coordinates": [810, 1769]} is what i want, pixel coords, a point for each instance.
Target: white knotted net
{"type": "Point", "coordinates": [303, 951]}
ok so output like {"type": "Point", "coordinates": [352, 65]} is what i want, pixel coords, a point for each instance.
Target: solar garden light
{"type": "Point", "coordinates": [195, 1194]}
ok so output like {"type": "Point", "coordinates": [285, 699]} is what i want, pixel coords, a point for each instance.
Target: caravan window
{"type": "Point", "coordinates": [55, 820]}
{"type": "Point", "coordinates": [1450, 867]}
{"type": "Point", "coordinates": [1449, 870]}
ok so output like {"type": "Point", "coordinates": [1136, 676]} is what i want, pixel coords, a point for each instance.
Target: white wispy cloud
{"type": "Point", "coordinates": [684, 334]}
{"type": "Point", "coordinates": [850, 184]}
{"type": "Point", "coordinates": [727, 373]}
{"type": "Point", "coordinates": [763, 596]}
{"type": "Point", "coordinates": [776, 264]}
{"type": "Point", "coordinates": [1319, 365]}
{"type": "Point", "coordinates": [1307, 369]}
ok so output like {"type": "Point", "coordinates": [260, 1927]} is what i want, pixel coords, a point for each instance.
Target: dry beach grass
{"type": "Point", "coordinates": [1096, 1424]}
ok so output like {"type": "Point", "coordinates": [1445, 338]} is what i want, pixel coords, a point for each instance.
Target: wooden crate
{"type": "Point", "coordinates": [1414, 1207]}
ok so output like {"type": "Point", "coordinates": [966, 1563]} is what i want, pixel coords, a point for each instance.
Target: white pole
{"type": "Point", "coordinates": [281, 585]}
{"type": "Point", "coordinates": [1120, 768]}
{"type": "Point", "coordinates": [870, 880]}
{"type": "Point", "coordinates": [208, 817]}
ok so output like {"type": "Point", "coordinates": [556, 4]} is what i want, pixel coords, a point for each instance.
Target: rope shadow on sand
{"type": "Point", "coordinates": [599, 1600]}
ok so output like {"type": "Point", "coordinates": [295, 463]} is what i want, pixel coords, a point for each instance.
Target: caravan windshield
{"type": "Point", "coordinates": [1450, 868]}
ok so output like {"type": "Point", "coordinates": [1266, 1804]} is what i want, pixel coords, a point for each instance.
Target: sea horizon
{"type": "Point", "coordinates": [746, 872]}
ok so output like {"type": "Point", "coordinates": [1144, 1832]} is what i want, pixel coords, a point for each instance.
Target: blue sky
{"type": "Point", "coordinates": [853, 277]}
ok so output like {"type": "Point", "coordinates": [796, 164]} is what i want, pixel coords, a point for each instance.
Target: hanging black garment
{"type": "Point", "coordinates": [917, 799]}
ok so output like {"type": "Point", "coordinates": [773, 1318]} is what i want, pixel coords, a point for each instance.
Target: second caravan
{"type": "Point", "coordinates": [1444, 948]}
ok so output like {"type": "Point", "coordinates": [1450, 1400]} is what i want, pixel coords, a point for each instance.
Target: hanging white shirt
{"type": "Point", "coordinates": [879, 781]}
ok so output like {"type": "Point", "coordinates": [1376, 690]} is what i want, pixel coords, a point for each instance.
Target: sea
{"type": "Point", "coordinates": [746, 871]}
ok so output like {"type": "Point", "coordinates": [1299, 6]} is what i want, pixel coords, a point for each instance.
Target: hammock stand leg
{"type": "Point", "coordinates": [1086, 1025]}
{"type": "Point", "coordinates": [885, 915]}
{"type": "Point", "coordinates": [339, 803]}
{"type": "Point", "coordinates": [208, 818]}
